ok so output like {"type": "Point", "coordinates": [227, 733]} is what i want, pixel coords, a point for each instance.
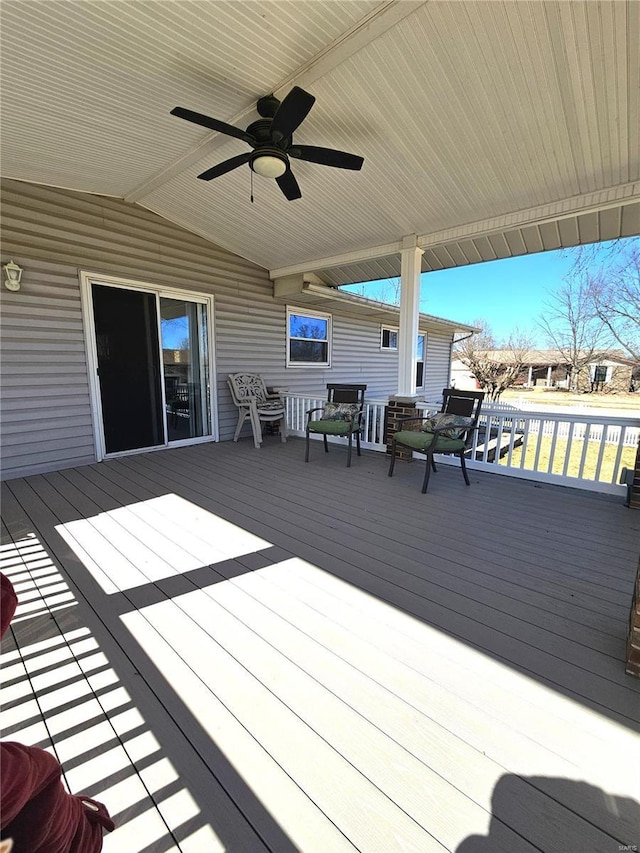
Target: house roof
{"type": "Point", "coordinates": [332, 300]}
{"type": "Point", "coordinates": [488, 130]}
{"type": "Point", "coordinates": [553, 356]}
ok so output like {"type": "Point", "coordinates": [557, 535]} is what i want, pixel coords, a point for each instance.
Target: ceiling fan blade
{"type": "Point", "coordinates": [226, 166]}
{"type": "Point", "coordinates": [291, 113]}
{"type": "Point", "coordinates": [326, 156]}
{"type": "Point", "coordinates": [213, 124]}
{"type": "Point", "coordinates": [289, 185]}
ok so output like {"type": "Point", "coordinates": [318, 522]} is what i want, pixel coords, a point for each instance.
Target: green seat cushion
{"type": "Point", "coordinates": [449, 445]}
{"type": "Point", "coordinates": [416, 439]}
{"type": "Point", "coordinates": [420, 440]}
{"type": "Point", "coordinates": [332, 427]}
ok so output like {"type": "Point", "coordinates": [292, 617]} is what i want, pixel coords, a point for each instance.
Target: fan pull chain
{"type": "Point", "coordinates": [251, 170]}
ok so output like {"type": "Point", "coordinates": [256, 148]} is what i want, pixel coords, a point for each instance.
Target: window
{"type": "Point", "coordinates": [389, 339]}
{"type": "Point", "coordinates": [308, 339]}
{"type": "Point", "coordinates": [600, 373]}
{"type": "Point", "coordinates": [422, 341]}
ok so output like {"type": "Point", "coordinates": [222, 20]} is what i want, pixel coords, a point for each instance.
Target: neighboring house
{"type": "Point", "coordinates": [108, 286]}
{"type": "Point", "coordinates": [461, 377]}
{"type": "Point", "coordinates": [611, 371]}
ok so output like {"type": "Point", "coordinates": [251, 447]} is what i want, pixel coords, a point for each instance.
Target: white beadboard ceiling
{"type": "Point", "coordinates": [488, 129]}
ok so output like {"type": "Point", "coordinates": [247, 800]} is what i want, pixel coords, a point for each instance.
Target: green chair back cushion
{"type": "Point", "coordinates": [340, 411]}
{"type": "Point", "coordinates": [458, 423]}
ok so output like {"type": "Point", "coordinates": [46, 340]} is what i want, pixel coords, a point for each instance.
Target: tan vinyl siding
{"type": "Point", "coordinates": [46, 412]}
{"type": "Point", "coordinates": [438, 364]}
{"type": "Point", "coordinates": [54, 234]}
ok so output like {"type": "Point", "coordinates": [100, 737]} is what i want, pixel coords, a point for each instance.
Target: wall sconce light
{"type": "Point", "coordinates": [13, 274]}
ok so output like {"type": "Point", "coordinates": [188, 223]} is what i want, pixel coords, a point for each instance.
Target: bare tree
{"type": "Point", "coordinates": [494, 368]}
{"type": "Point", "coordinates": [387, 291]}
{"type": "Point", "coordinates": [615, 297]}
{"type": "Point", "coordinates": [392, 291]}
{"type": "Point", "coordinates": [590, 256]}
{"type": "Point", "coordinates": [572, 327]}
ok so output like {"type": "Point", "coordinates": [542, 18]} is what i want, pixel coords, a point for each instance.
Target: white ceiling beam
{"type": "Point", "coordinates": [368, 29]}
{"type": "Point", "coordinates": [338, 260]}
{"type": "Point", "coordinates": [565, 209]}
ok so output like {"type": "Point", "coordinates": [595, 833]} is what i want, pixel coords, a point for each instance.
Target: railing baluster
{"type": "Point", "coordinates": [498, 452]}
{"type": "Point", "coordinates": [536, 458]}
{"type": "Point", "coordinates": [567, 455]}
{"type": "Point", "coordinates": [621, 444]}
{"type": "Point", "coordinates": [603, 444]}
{"type": "Point", "coordinates": [525, 441]}
{"type": "Point", "coordinates": [487, 438]}
{"type": "Point", "coordinates": [512, 440]}
{"type": "Point", "coordinates": [585, 447]}
{"type": "Point", "coordinates": [552, 453]}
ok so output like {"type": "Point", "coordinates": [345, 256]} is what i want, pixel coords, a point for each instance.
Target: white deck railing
{"type": "Point", "coordinates": [373, 420]}
{"type": "Point", "coordinates": [568, 447]}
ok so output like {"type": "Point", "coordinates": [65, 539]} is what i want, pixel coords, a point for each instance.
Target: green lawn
{"type": "Point", "coordinates": [589, 472]}
{"type": "Point", "coordinates": [542, 398]}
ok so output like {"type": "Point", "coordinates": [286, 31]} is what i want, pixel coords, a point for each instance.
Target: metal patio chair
{"type": "Point", "coordinates": [447, 431]}
{"type": "Point", "coordinates": [341, 416]}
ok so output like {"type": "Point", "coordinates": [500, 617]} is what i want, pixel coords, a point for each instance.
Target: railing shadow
{"type": "Point", "coordinates": [68, 688]}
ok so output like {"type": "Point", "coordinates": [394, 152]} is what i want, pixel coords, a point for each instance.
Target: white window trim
{"type": "Point", "coordinates": [384, 329]}
{"type": "Point", "coordinates": [316, 315]}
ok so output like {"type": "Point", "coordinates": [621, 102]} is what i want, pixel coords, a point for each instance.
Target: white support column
{"type": "Point", "coordinates": [549, 369]}
{"type": "Point", "coordinates": [530, 377]}
{"type": "Point", "coordinates": [409, 314]}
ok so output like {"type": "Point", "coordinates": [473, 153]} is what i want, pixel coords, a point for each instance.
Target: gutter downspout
{"type": "Point", "coordinates": [451, 346]}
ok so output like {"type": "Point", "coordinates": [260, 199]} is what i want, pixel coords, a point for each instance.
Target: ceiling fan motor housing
{"type": "Point", "coordinates": [268, 106]}
{"type": "Point", "coordinates": [261, 131]}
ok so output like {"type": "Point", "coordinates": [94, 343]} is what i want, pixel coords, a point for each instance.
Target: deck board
{"type": "Point", "coordinates": [476, 534]}
{"type": "Point", "coordinates": [488, 627]}
{"type": "Point", "coordinates": [306, 520]}
{"type": "Point", "coordinates": [251, 653]}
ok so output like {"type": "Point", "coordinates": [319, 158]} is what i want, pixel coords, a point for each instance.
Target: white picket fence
{"type": "Point", "coordinates": [567, 447]}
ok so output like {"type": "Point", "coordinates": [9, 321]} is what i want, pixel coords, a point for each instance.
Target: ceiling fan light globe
{"type": "Point", "coordinates": [269, 166]}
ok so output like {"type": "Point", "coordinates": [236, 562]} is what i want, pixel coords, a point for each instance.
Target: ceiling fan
{"type": "Point", "coordinates": [271, 138]}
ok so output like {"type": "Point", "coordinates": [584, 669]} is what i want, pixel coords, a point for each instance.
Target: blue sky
{"type": "Point", "coordinates": [506, 293]}
{"type": "Point", "coordinates": [509, 293]}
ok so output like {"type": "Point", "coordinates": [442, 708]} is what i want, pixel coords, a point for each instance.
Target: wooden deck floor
{"type": "Point", "coordinates": [237, 651]}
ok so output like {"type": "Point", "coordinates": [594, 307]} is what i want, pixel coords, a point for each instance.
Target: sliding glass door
{"type": "Point", "coordinates": [185, 348]}
{"type": "Point", "coordinates": [152, 353]}
{"type": "Point", "coordinates": [127, 348]}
